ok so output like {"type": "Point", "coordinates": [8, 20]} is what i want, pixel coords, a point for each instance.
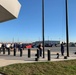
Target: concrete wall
{"type": "Point", "coordinates": [9, 9]}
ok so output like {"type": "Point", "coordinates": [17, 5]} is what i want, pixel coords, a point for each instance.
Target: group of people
{"type": "Point", "coordinates": [11, 46]}
{"type": "Point", "coordinates": [40, 47]}
{"type": "Point", "coordinates": [19, 46]}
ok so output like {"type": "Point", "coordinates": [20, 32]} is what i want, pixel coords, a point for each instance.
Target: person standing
{"type": "Point", "coordinates": [8, 48]}
{"type": "Point", "coordinates": [40, 47]}
{"type": "Point", "coordinates": [20, 48]}
{"type": "Point", "coordinates": [15, 46]}
{"type": "Point", "coordinates": [3, 48]}
{"type": "Point", "coordinates": [62, 49]}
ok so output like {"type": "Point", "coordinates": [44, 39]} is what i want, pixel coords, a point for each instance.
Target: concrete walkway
{"type": "Point", "coordinates": [6, 59]}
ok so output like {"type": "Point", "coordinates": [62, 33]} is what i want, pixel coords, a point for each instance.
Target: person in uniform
{"type": "Point", "coordinates": [62, 49]}
{"type": "Point", "coordinates": [40, 47]}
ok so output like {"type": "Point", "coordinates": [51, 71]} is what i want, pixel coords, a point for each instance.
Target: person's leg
{"type": "Point", "coordinates": [20, 52]}
{"type": "Point", "coordinates": [62, 52]}
{"type": "Point", "coordinates": [3, 50]}
{"type": "Point", "coordinates": [40, 52]}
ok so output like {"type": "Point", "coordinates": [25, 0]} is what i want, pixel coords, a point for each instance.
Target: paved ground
{"type": "Point", "coordinates": [6, 59]}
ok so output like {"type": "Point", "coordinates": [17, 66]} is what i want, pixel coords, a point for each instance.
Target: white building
{"type": "Point", "coordinates": [9, 9]}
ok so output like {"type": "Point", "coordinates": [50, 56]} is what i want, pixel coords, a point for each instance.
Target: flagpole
{"type": "Point", "coordinates": [43, 28]}
{"type": "Point", "coordinates": [67, 35]}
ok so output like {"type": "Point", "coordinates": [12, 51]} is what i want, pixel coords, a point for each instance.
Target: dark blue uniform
{"type": "Point", "coordinates": [20, 48]}
{"type": "Point", "coordinates": [40, 49]}
{"type": "Point", "coordinates": [62, 49]}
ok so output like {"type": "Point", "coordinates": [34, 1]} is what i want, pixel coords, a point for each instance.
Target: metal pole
{"type": "Point", "coordinates": [43, 27]}
{"type": "Point", "coordinates": [67, 35]}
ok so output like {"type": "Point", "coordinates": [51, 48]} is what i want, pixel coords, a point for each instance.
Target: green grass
{"type": "Point", "coordinates": [42, 68]}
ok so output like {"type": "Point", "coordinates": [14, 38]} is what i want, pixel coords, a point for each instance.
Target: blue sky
{"type": "Point", "coordinates": [28, 26]}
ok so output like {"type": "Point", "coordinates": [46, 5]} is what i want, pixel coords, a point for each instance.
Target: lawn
{"type": "Point", "coordinates": [41, 68]}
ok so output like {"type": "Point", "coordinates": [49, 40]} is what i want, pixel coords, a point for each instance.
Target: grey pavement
{"type": "Point", "coordinates": [6, 59]}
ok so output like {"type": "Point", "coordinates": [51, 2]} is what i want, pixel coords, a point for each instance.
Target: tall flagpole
{"type": "Point", "coordinates": [67, 35]}
{"type": "Point", "coordinates": [43, 28]}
